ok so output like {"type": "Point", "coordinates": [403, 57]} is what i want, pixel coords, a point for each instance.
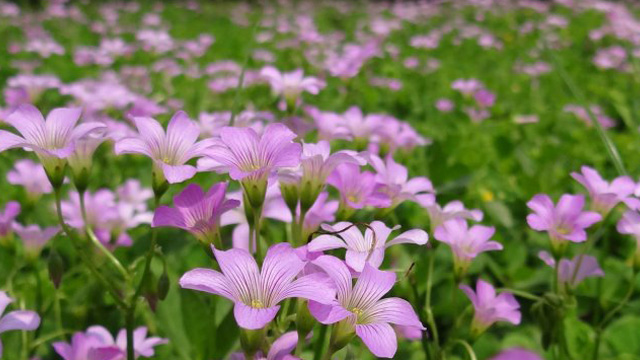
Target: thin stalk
{"type": "Point", "coordinates": [299, 345]}
{"type": "Point", "coordinates": [430, 319]}
{"type": "Point", "coordinates": [608, 143]}
{"type": "Point", "coordinates": [256, 231]}
{"type": "Point", "coordinates": [319, 345]}
{"type": "Point", "coordinates": [521, 293]}
{"type": "Point", "coordinates": [111, 288]}
{"type": "Point", "coordinates": [94, 239]}
{"type": "Point", "coordinates": [468, 348]}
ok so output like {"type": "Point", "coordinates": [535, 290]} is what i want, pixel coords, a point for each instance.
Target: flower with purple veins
{"type": "Point", "coordinates": [604, 195]}
{"type": "Point", "coordinates": [31, 176]}
{"type": "Point", "coordinates": [53, 139]}
{"type": "Point", "coordinates": [196, 212]}
{"type": "Point", "coordinates": [169, 151]}
{"type": "Point", "coordinates": [465, 242]}
{"type": "Point", "coordinates": [361, 305]}
{"type": "Point", "coordinates": [256, 293]}
{"type": "Point", "coordinates": [396, 183]}
{"type": "Point", "coordinates": [15, 320]}
{"type": "Point", "coordinates": [567, 268]}
{"type": "Point", "coordinates": [490, 308]}
{"type": "Point", "coordinates": [7, 219]}
{"type": "Point", "coordinates": [357, 189]}
{"type": "Point", "coordinates": [87, 347]}
{"type": "Point", "coordinates": [253, 159]}
{"type": "Point", "coordinates": [364, 249]}
{"type": "Point", "coordinates": [564, 222]}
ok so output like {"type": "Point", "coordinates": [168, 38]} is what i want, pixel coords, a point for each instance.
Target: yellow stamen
{"type": "Point", "coordinates": [257, 304]}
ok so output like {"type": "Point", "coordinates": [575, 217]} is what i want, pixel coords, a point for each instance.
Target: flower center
{"type": "Point", "coordinates": [357, 311]}
{"type": "Point", "coordinates": [563, 230]}
{"type": "Point", "coordinates": [257, 304]}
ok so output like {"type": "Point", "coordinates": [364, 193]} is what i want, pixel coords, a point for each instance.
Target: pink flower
{"type": "Point", "coordinates": [357, 189]}
{"type": "Point", "coordinates": [588, 268]}
{"type": "Point", "coordinates": [444, 105]}
{"type": "Point", "coordinates": [53, 140]}
{"type": "Point", "coordinates": [8, 217]}
{"type": "Point", "coordinates": [455, 209]}
{"type": "Point", "coordinates": [291, 84]}
{"type": "Point", "coordinates": [367, 248]}
{"type": "Point", "coordinates": [397, 185]}
{"type": "Point", "coordinates": [15, 320]}
{"type": "Point", "coordinates": [604, 195]}
{"type": "Point", "coordinates": [196, 212]}
{"type": "Point", "coordinates": [256, 293]}
{"type": "Point", "coordinates": [517, 354]}
{"type": "Point", "coordinates": [466, 242]}
{"type": "Point", "coordinates": [31, 176]}
{"type": "Point", "coordinates": [490, 308]}
{"type": "Point", "coordinates": [362, 306]}
{"type": "Point", "coordinates": [169, 151]}
{"type": "Point", "coordinates": [33, 237]}
{"type": "Point", "coordinates": [467, 86]}
{"type": "Point", "coordinates": [565, 221]}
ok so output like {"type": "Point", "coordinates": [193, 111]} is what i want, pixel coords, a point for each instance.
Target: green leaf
{"type": "Point", "coordinates": [579, 337]}
{"type": "Point", "coordinates": [623, 336]}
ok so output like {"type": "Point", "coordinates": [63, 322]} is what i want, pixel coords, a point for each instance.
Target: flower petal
{"type": "Point", "coordinates": [178, 173]}
{"type": "Point", "coordinates": [379, 338]}
{"type": "Point", "coordinates": [328, 314]}
{"type": "Point", "coordinates": [414, 236]}
{"type": "Point", "coordinates": [395, 311]}
{"type": "Point", "coordinates": [326, 242]}
{"type": "Point", "coordinates": [283, 346]}
{"type": "Point", "coordinates": [209, 281]}
{"type": "Point", "coordinates": [371, 286]}
{"type": "Point", "coordinates": [251, 318]}
{"type": "Point", "coordinates": [19, 320]}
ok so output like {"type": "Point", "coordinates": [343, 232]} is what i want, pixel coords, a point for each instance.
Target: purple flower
{"type": "Point", "coordinates": [397, 185]}
{"type": "Point", "coordinates": [33, 237]}
{"type": "Point", "coordinates": [32, 176]}
{"type": "Point", "coordinates": [455, 209]}
{"type": "Point", "coordinates": [604, 195]}
{"type": "Point", "coordinates": [97, 343]}
{"type": "Point", "coordinates": [588, 268]}
{"type": "Point", "coordinates": [361, 127]}
{"type": "Point", "coordinates": [252, 159]}
{"type": "Point", "coordinates": [630, 224]}
{"type": "Point", "coordinates": [134, 195]}
{"type": "Point", "coordinates": [280, 349]}
{"type": "Point", "coordinates": [367, 248]}
{"type": "Point", "coordinates": [357, 189]}
{"type": "Point", "coordinates": [467, 86]}
{"type": "Point", "coordinates": [517, 354]}
{"type": "Point", "coordinates": [196, 212]}
{"type": "Point", "coordinates": [444, 105]}
{"type": "Point", "coordinates": [565, 221]}
{"type": "Point", "coordinates": [291, 84]}
{"type": "Point", "coordinates": [8, 217]}
{"type": "Point", "coordinates": [317, 163]}
{"type": "Point", "coordinates": [490, 308]}
{"type": "Point", "coordinates": [256, 293]}
{"type": "Point", "coordinates": [466, 242]}
{"type": "Point", "coordinates": [53, 140]}
{"type": "Point", "coordinates": [484, 98]}
{"type": "Point", "coordinates": [169, 151]}
{"type": "Point", "coordinates": [362, 306]}
{"type": "Point", "coordinates": [15, 320]}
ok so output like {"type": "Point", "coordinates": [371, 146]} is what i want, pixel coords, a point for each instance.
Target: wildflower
{"type": "Point", "coordinates": [252, 159]}
{"type": "Point", "coordinates": [604, 195]}
{"type": "Point", "coordinates": [567, 268]}
{"type": "Point", "coordinates": [465, 242]}
{"type": "Point", "coordinates": [169, 151]}
{"type": "Point", "coordinates": [368, 248]}
{"type": "Point", "coordinates": [397, 185]}
{"type": "Point", "coordinates": [362, 307]}
{"type": "Point", "coordinates": [564, 222]}
{"type": "Point", "coordinates": [444, 105]}
{"type": "Point", "coordinates": [280, 349]}
{"type": "Point", "coordinates": [490, 308]}
{"type": "Point", "coordinates": [291, 84]}
{"type": "Point", "coordinates": [322, 211]}
{"type": "Point", "coordinates": [256, 293]}
{"type": "Point", "coordinates": [33, 237]}
{"type": "Point", "coordinates": [31, 176]}
{"type": "Point", "coordinates": [357, 189]}
{"type": "Point", "coordinates": [53, 140]}
{"type": "Point", "coordinates": [196, 212]}
{"type": "Point", "coordinates": [15, 320]}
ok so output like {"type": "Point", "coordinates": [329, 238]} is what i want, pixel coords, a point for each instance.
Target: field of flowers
{"type": "Point", "coordinates": [320, 180]}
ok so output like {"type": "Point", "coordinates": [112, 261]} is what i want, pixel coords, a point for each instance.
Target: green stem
{"type": "Point", "coordinates": [625, 300]}
{"type": "Point", "coordinates": [430, 319]}
{"type": "Point", "coordinates": [319, 345]}
{"type": "Point", "coordinates": [521, 293]}
{"type": "Point", "coordinates": [468, 348]}
{"type": "Point", "coordinates": [111, 288]}
{"type": "Point", "coordinates": [299, 345]}
{"type": "Point", "coordinates": [130, 323]}
{"type": "Point", "coordinates": [94, 239]}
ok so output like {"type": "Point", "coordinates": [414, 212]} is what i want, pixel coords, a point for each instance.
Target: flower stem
{"type": "Point", "coordinates": [94, 239]}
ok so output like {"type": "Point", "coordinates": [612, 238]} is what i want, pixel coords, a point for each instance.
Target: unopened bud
{"type": "Point", "coordinates": [56, 268]}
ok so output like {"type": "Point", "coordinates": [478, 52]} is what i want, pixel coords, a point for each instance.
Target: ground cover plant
{"type": "Point", "coordinates": [319, 180]}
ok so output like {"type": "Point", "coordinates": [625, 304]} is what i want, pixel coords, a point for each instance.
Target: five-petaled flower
{"type": "Point", "coordinates": [490, 307]}
{"type": "Point", "coordinates": [257, 293]}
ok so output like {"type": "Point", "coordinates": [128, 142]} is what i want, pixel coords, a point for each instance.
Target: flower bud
{"type": "Point", "coordinates": [163, 285]}
{"type": "Point", "coordinates": [342, 334]}
{"type": "Point", "coordinates": [290, 195]}
{"type": "Point", "coordinates": [255, 193]}
{"type": "Point", "coordinates": [56, 268]}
